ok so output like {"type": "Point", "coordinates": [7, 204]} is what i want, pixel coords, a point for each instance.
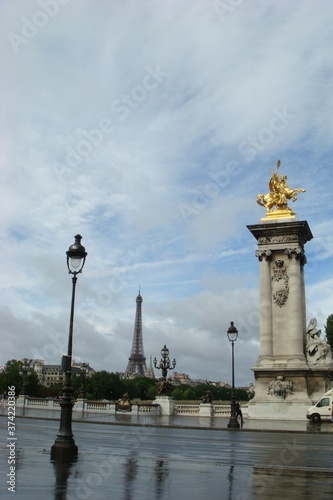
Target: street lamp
{"type": "Point", "coordinates": [64, 445]}
{"type": "Point", "coordinates": [24, 373]}
{"type": "Point", "coordinates": [164, 387]}
{"type": "Point", "coordinates": [165, 363]}
{"type": "Point", "coordinates": [232, 333]}
{"type": "Point", "coordinates": [83, 380]}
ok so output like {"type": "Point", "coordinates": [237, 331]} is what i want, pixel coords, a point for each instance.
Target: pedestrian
{"type": "Point", "coordinates": [239, 412]}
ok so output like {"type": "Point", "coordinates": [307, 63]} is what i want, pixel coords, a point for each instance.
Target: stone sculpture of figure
{"type": "Point", "coordinates": [279, 193]}
{"type": "Point", "coordinates": [317, 350]}
{"type": "Point", "coordinates": [164, 388]}
{"type": "Point", "coordinates": [207, 397]}
{"type": "Point", "coordinates": [124, 404]}
{"type": "Point", "coordinates": [126, 398]}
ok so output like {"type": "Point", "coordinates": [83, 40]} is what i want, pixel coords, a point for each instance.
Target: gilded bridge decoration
{"type": "Point", "coordinates": [276, 201]}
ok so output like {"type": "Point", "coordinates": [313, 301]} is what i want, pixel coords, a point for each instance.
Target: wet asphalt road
{"type": "Point", "coordinates": [140, 462]}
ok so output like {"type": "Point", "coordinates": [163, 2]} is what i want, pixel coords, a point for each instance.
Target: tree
{"type": "Point", "coordinates": [11, 377]}
{"type": "Point", "coordinates": [329, 330]}
{"type": "Point", "coordinates": [140, 387]}
{"type": "Point", "coordinates": [105, 385]}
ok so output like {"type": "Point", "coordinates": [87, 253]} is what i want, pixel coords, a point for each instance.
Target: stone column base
{"type": "Point", "coordinates": [206, 410]}
{"type": "Point", "coordinates": [166, 404]}
{"type": "Point", "coordinates": [81, 404]}
{"type": "Point", "coordinates": [278, 410]}
{"type": "Point", "coordinates": [22, 400]}
{"type": "Point", "coordinates": [303, 388]}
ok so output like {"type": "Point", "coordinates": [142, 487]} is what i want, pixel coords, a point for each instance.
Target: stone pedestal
{"type": "Point", "coordinates": [206, 410]}
{"type": "Point", "coordinates": [80, 404]}
{"type": "Point", "coordinates": [286, 384]}
{"type": "Point", "coordinates": [22, 400]}
{"type": "Point", "coordinates": [166, 404]}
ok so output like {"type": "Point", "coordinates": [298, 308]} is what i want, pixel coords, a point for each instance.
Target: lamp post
{"type": "Point", "coordinates": [232, 333]}
{"type": "Point", "coordinates": [164, 387]}
{"type": "Point", "coordinates": [24, 373]}
{"type": "Point", "coordinates": [83, 380]}
{"type": "Point", "coordinates": [64, 446]}
{"type": "Point", "coordinates": [165, 363]}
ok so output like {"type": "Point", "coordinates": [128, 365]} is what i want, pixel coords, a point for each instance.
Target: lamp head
{"type": "Point", "coordinates": [76, 256]}
{"type": "Point", "coordinates": [232, 332]}
{"type": "Point", "coordinates": [165, 352]}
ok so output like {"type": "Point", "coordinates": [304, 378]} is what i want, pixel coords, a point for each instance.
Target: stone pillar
{"type": "Point", "coordinates": [22, 400]}
{"type": "Point", "coordinates": [166, 404]}
{"type": "Point", "coordinates": [206, 409]}
{"type": "Point", "coordinates": [80, 405]}
{"type": "Point", "coordinates": [284, 382]}
{"type": "Point", "coordinates": [266, 338]}
{"type": "Point", "coordinates": [296, 305]}
{"type": "Point", "coordinates": [135, 409]}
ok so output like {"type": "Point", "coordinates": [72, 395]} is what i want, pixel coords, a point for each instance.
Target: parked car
{"type": "Point", "coordinates": [322, 410]}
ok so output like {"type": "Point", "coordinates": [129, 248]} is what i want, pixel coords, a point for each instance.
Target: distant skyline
{"type": "Point", "coordinates": [150, 128]}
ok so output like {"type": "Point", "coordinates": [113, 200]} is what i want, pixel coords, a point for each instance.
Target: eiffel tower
{"type": "Point", "coordinates": [137, 361]}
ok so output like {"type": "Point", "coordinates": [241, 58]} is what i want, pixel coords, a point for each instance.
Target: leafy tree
{"type": "Point", "coordinates": [184, 392]}
{"type": "Point", "coordinates": [140, 387]}
{"type": "Point", "coordinates": [51, 391]}
{"type": "Point", "coordinates": [105, 385]}
{"type": "Point", "coordinates": [151, 392]}
{"type": "Point", "coordinates": [76, 385]}
{"type": "Point", "coordinates": [329, 330]}
{"type": "Point", "coordinates": [241, 395]}
{"type": "Point", "coordinates": [11, 377]}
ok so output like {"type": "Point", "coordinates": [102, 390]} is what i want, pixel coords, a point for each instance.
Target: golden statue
{"type": "Point", "coordinates": [278, 196]}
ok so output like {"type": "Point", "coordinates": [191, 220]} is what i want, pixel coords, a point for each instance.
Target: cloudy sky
{"type": "Point", "coordinates": [149, 127]}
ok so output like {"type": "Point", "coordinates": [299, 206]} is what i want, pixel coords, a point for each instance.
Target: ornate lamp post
{"type": "Point", "coordinates": [232, 333]}
{"type": "Point", "coordinates": [83, 380]}
{"type": "Point", "coordinates": [165, 363]}
{"type": "Point", "coordinates": [64, 445]}
{"type": "Point", "coordinates": [24, 373]}
{"type": "Point", "coordinates": [164, 387]}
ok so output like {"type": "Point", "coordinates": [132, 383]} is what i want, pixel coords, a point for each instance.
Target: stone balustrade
{"type": "Point", "coordinates": [184, 409]}
{"type": "Point", "coordinates": [107, 407]}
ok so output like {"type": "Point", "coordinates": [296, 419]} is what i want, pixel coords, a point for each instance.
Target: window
{"type": "Point", "coordinates": [323, 402]}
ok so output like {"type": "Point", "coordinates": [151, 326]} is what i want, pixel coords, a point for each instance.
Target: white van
{"type": "Point", "coordinates": [322, 410]}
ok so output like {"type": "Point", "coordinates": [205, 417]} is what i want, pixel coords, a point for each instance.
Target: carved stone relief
{"type": "Point", "coordinates": [280, 388]}
{"type": "Point", "coordinates": [288, 238]}
{"type": "Point", "coordinates": [298, 253]}
{"type": "Point", "coordinates": [280, 283]}
{"type": "Point", "coordinates": [264, 254]}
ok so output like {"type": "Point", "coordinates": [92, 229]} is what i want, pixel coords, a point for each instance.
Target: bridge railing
{"type": "Point", "coordinates": [110, 407]}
